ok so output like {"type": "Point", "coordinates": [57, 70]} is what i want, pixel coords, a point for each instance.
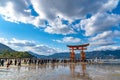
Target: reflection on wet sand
{"type": "Point", "coordinates": [80, 74]}
{"type": "Point", "coordinates": [62, 71]}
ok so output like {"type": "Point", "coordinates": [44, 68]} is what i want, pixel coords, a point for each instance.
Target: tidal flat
{"type": "Point", "coordinates": [62, 71]}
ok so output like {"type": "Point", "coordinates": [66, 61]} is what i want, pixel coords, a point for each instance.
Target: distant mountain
{"type": "Point", "coordinates": [4, 47]}
{"type": "Point", "coordinates": [104, 54]}
{"type": "Point", "coordinates": [63, 55]}
{"type": "Point", "coordinates": [37, 55]}
{"type": "Point", "coordinates": [108, 54]}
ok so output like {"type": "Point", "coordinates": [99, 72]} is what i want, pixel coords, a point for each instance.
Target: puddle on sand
{"type": "Point", "coordinates": [62, 71]}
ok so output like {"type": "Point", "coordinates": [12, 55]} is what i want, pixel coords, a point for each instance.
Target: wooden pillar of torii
{"type": "Point", "coordinates": [77, 47]}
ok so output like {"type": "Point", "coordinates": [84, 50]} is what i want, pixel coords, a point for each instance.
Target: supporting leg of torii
{"type": "Point", "coordinates": [72, 55]}
{"type": "Point", "coordinates": [83, 56]}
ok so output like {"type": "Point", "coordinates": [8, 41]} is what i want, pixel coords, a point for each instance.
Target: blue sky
{"type": "Point", "coordinates": [46, 27]}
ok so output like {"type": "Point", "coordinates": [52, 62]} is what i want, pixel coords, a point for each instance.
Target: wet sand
{"type": "Point", "coordinates": [62, 71]}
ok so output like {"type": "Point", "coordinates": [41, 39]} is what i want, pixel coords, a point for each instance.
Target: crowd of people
{"type": "Point", "coordinates": [29, 61]}
{"type": "Point", "coordinates": [8, 62]}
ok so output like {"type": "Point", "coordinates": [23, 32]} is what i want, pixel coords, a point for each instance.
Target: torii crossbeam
{"type": "Point", "coordinates": [77, 47]}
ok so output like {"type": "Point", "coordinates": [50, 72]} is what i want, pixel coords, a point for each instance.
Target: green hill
{"type": "Point", "coordinates": [7, 52]}
{"type": "Point", "coordinates": [15, 54]}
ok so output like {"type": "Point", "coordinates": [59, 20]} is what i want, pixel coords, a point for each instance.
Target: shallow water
{"type": "Point", "coordinates": [62, 71]}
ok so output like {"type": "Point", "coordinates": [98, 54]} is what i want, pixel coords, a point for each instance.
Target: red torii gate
{"type": "Point", "coordinates": [77, 47]}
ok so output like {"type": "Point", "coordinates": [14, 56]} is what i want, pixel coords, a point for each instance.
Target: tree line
{"type": "Point", "coordinates": [15, 54]}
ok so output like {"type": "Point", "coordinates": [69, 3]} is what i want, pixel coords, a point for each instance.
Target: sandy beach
{"type": "Point", "coordinates": [61, 71]}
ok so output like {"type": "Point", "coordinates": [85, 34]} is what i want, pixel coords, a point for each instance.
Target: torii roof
{"type": "Point", "coordinates": [83, 45]}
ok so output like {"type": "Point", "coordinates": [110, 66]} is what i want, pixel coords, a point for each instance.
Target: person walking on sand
{"type": "Point", "coordinates": [2, 62]}
{"type": "Point", "coordinates": [15, 62]}
{"type": "Point", "coordinates": [8, 64]}
{"type": "Point", "coordinates": [19, 62]}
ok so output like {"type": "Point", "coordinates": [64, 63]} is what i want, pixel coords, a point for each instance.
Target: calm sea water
{"type": "Point", "coordinates": [71, 71]}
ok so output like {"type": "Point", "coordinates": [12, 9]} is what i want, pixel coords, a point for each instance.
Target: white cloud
{"type": "Point", "coordinates": [111, 4]}
{"type": "Point", "coordinates": [26, 45]}
{"type": "Point", "coordinates": [107, 48]}
{"type": "Point", "coordinates": [18, 11]}
{"type": "Point", "coordinates": [63, 29]}
{"type": "Point", "coordinates": [3, 40]}
{"type": "Point", "coordinates": [44, 50]}
{"type": "Point", "coordinates": [105, 39]}
{"type": "Point", "coordinates": [102, 42]}
{"type": "Point", "coordinates": [68, 40]}
{"type": "Point", "coordinates": [99, 23]}
{"type": "Point", "coordinates": [103, 35]}
{"type": "Point", "coordinates": [56, 27]}
{"type": "Point", "coordinates": [107, 35]}
{"type": "Point", "coordinates": [21, 43]}
{"type": "Point", "coordinates": [71, 9]}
